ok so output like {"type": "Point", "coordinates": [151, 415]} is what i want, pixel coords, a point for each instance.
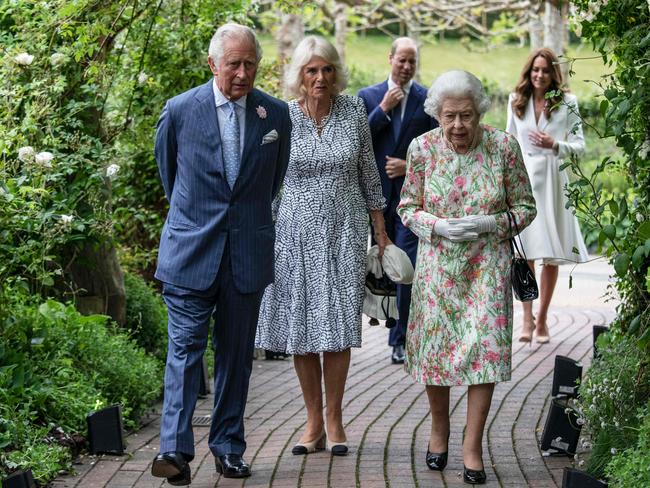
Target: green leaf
{"type": "Point", "coordinates": [48, 281]}
{"type": "Point", "coordinates": [610, 231]}
{"type": "Point", "coordinates": [644, 339]}
{"type": "Point", "coordinates": [639, 254]}
{"type": "Point", "coordinates": [634, 325]}
{"type": "Point", "coordinates": [622, 212]}
{"type": "Point", "coordinates": [621, 264]}
{"type": "Point", "coordinates": [613, 206]}
{"type": "Point", "coordinates": [644, 230]}
{"type": "Point", "coordinates": [624, 107]}
{"type": "Point", "coordinates": [603, 107]}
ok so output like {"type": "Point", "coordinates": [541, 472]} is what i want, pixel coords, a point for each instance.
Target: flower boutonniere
{"type": "Point", "coordinates": [261, 112]}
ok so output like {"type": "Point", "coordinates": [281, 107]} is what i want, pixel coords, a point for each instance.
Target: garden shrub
{"type": "Point", "coordinates": [56, 366]}
{"type": "Point", "coordinates": [630, 468]}
{"type": "Point", "coordinates": [146, 316]}
{"type": "Point", "coordinates": [615, 389]}
{"type": "Point", "coordinates": [120, 370]}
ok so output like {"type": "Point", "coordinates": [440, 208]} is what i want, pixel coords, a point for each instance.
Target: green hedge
{"type": "Point", "coordinates": [146, 316]}
{"type": "Point", "coordinates": [56, 366]}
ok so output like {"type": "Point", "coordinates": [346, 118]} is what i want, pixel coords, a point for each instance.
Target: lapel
{"type": "Point", "coordinates": [252, 136]}
{"type": "Point", "coordinates": [411, 107]}
{"type": "Point", "coordinates": [207, 119]}
{"type": "Point", "coordinates": [382, 89]}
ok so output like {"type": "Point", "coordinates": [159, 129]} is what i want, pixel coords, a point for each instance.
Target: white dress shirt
{"type": "Point", "coordinates": [223, 111]}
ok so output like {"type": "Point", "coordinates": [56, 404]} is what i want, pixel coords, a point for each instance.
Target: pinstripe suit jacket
{"type": "Point", "coordinates": [203, 211]}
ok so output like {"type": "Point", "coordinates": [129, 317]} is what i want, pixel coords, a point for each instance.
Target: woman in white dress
{"type": "Point", "coordinates": [549, 130]}
{"type": "Point", "coordinates": [332, 184]}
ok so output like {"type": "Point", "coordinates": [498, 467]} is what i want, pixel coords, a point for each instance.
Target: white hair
{"type": "Point", "coordinates": [456, 83]}
{"type": "Point", "coordinates": [309, 47]}
{"type": "Point", "coordinates": [232, 31]}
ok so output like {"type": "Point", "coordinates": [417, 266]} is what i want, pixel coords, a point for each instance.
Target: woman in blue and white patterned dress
{"type": "Point", "coordinates": [332, 184]}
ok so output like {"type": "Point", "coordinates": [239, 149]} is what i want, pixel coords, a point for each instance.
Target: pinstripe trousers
{"type": "Point", "coordinates": [233, 336]}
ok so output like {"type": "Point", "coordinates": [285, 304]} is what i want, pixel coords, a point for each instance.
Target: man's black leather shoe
{"type": "Point", "coordinates": [398, 355]}
{"type": "Point", "coordinates": [232, 466]}
{"type": "Point", "coordinates": [173, 466]}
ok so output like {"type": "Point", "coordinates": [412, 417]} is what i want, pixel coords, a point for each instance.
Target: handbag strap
{"type": "Point", "coordinates": [513, 242]}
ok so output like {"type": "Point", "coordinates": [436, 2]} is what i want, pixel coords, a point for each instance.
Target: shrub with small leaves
{"type": "Point", "coordinates": [146, 316]}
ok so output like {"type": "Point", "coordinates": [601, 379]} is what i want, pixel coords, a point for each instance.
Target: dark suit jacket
{"type": "Point", "coordinates": [203, 211]}
{"type": "Point", "coordinates": [415, 123]}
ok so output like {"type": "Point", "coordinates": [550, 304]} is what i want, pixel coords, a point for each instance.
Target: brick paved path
{"type": "Point", "coordinates": [386, 417]}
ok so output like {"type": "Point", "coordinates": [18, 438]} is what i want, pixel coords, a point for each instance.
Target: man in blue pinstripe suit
{"type": "Point", "coordinates": [222, 150]}
{"type": "Point", "coordinates": [396, 116]}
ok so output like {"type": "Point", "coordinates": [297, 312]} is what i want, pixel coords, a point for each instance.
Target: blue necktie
{"type": "Point", "coordinates": [231, 146]}
{"type": "Point", "coordinates": [396, 118]}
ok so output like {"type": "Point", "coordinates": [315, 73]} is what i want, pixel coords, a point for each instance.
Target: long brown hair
{"type": "Point", "coordinates": [524, 88]}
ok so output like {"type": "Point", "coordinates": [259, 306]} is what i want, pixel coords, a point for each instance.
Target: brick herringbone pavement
{"type": "Point", "coordinates": [386, 417]}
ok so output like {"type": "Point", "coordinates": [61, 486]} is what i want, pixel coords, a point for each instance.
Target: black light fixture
{"type": "Point", "coordinates": [561, 431]}
{"type": "Point", "coordinates": [105, 431]}
{"type": "Point", "coordinates": [566, 375]}
{"type": "Point", "coordinates": [573, 478]}
{"type": "Point", "coordinates": [597, 330]}
{"type": "Point", "coordinates": [19, 479]}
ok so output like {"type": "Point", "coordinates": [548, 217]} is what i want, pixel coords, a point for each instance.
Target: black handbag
{"type": "Point", "coordinates": [382, 287]}
{"type": "Point", "coordinates": [524, 285]}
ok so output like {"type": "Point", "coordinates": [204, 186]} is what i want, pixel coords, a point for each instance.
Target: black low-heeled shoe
{"type": "Point", "coordinates": [474, 477]}
{"type": "Point", "coordinates": [436, 461]}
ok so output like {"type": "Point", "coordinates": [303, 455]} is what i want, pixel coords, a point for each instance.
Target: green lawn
{"type": "Point", "coordinates": [500, 65]}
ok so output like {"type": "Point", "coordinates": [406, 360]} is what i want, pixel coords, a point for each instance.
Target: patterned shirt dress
{"type": "Point", "coordinates": [332, 181]}
{"type": "Point", "coordinates": [460, 322]}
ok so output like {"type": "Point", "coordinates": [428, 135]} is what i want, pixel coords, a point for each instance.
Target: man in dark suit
{"type": "Point", "coordinates": [222, 150]}
{"type": "Point", "coordinates": [396, 115]}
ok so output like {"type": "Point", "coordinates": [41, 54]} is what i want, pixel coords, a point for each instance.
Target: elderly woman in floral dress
{"type": "Point", "coordinates": [462, 180]}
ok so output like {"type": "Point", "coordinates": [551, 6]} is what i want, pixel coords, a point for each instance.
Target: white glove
{"type": "Point", "coordinates": [456, 230]}
{"type": "Point", "coordinates": [484, 223]}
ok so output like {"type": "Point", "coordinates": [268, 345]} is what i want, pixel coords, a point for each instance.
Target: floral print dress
{"type": "Point", "coordinates": [460, 322]}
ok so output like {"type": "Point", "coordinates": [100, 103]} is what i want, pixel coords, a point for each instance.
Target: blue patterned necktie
{"type": "Point", "coordinates": [231, 146]}
{"type": "Point", "coordinates": [396, 119]}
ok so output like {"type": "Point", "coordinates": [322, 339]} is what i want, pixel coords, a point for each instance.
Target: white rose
{"type": "Point", "coordinates": [26, 154]}
{"type": "Point", "coordinates": [112, 170]}
{"type": "Point", "coordinates": [57, 59]}
{"type": "Point", "coordinates": [44, 159]}
{"type": "Point", "coordinates": [142, 78]}
{"type": "Point", "coordinates": [66, 219]}
{"type": "Point", "coordinates": [24, 59]}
